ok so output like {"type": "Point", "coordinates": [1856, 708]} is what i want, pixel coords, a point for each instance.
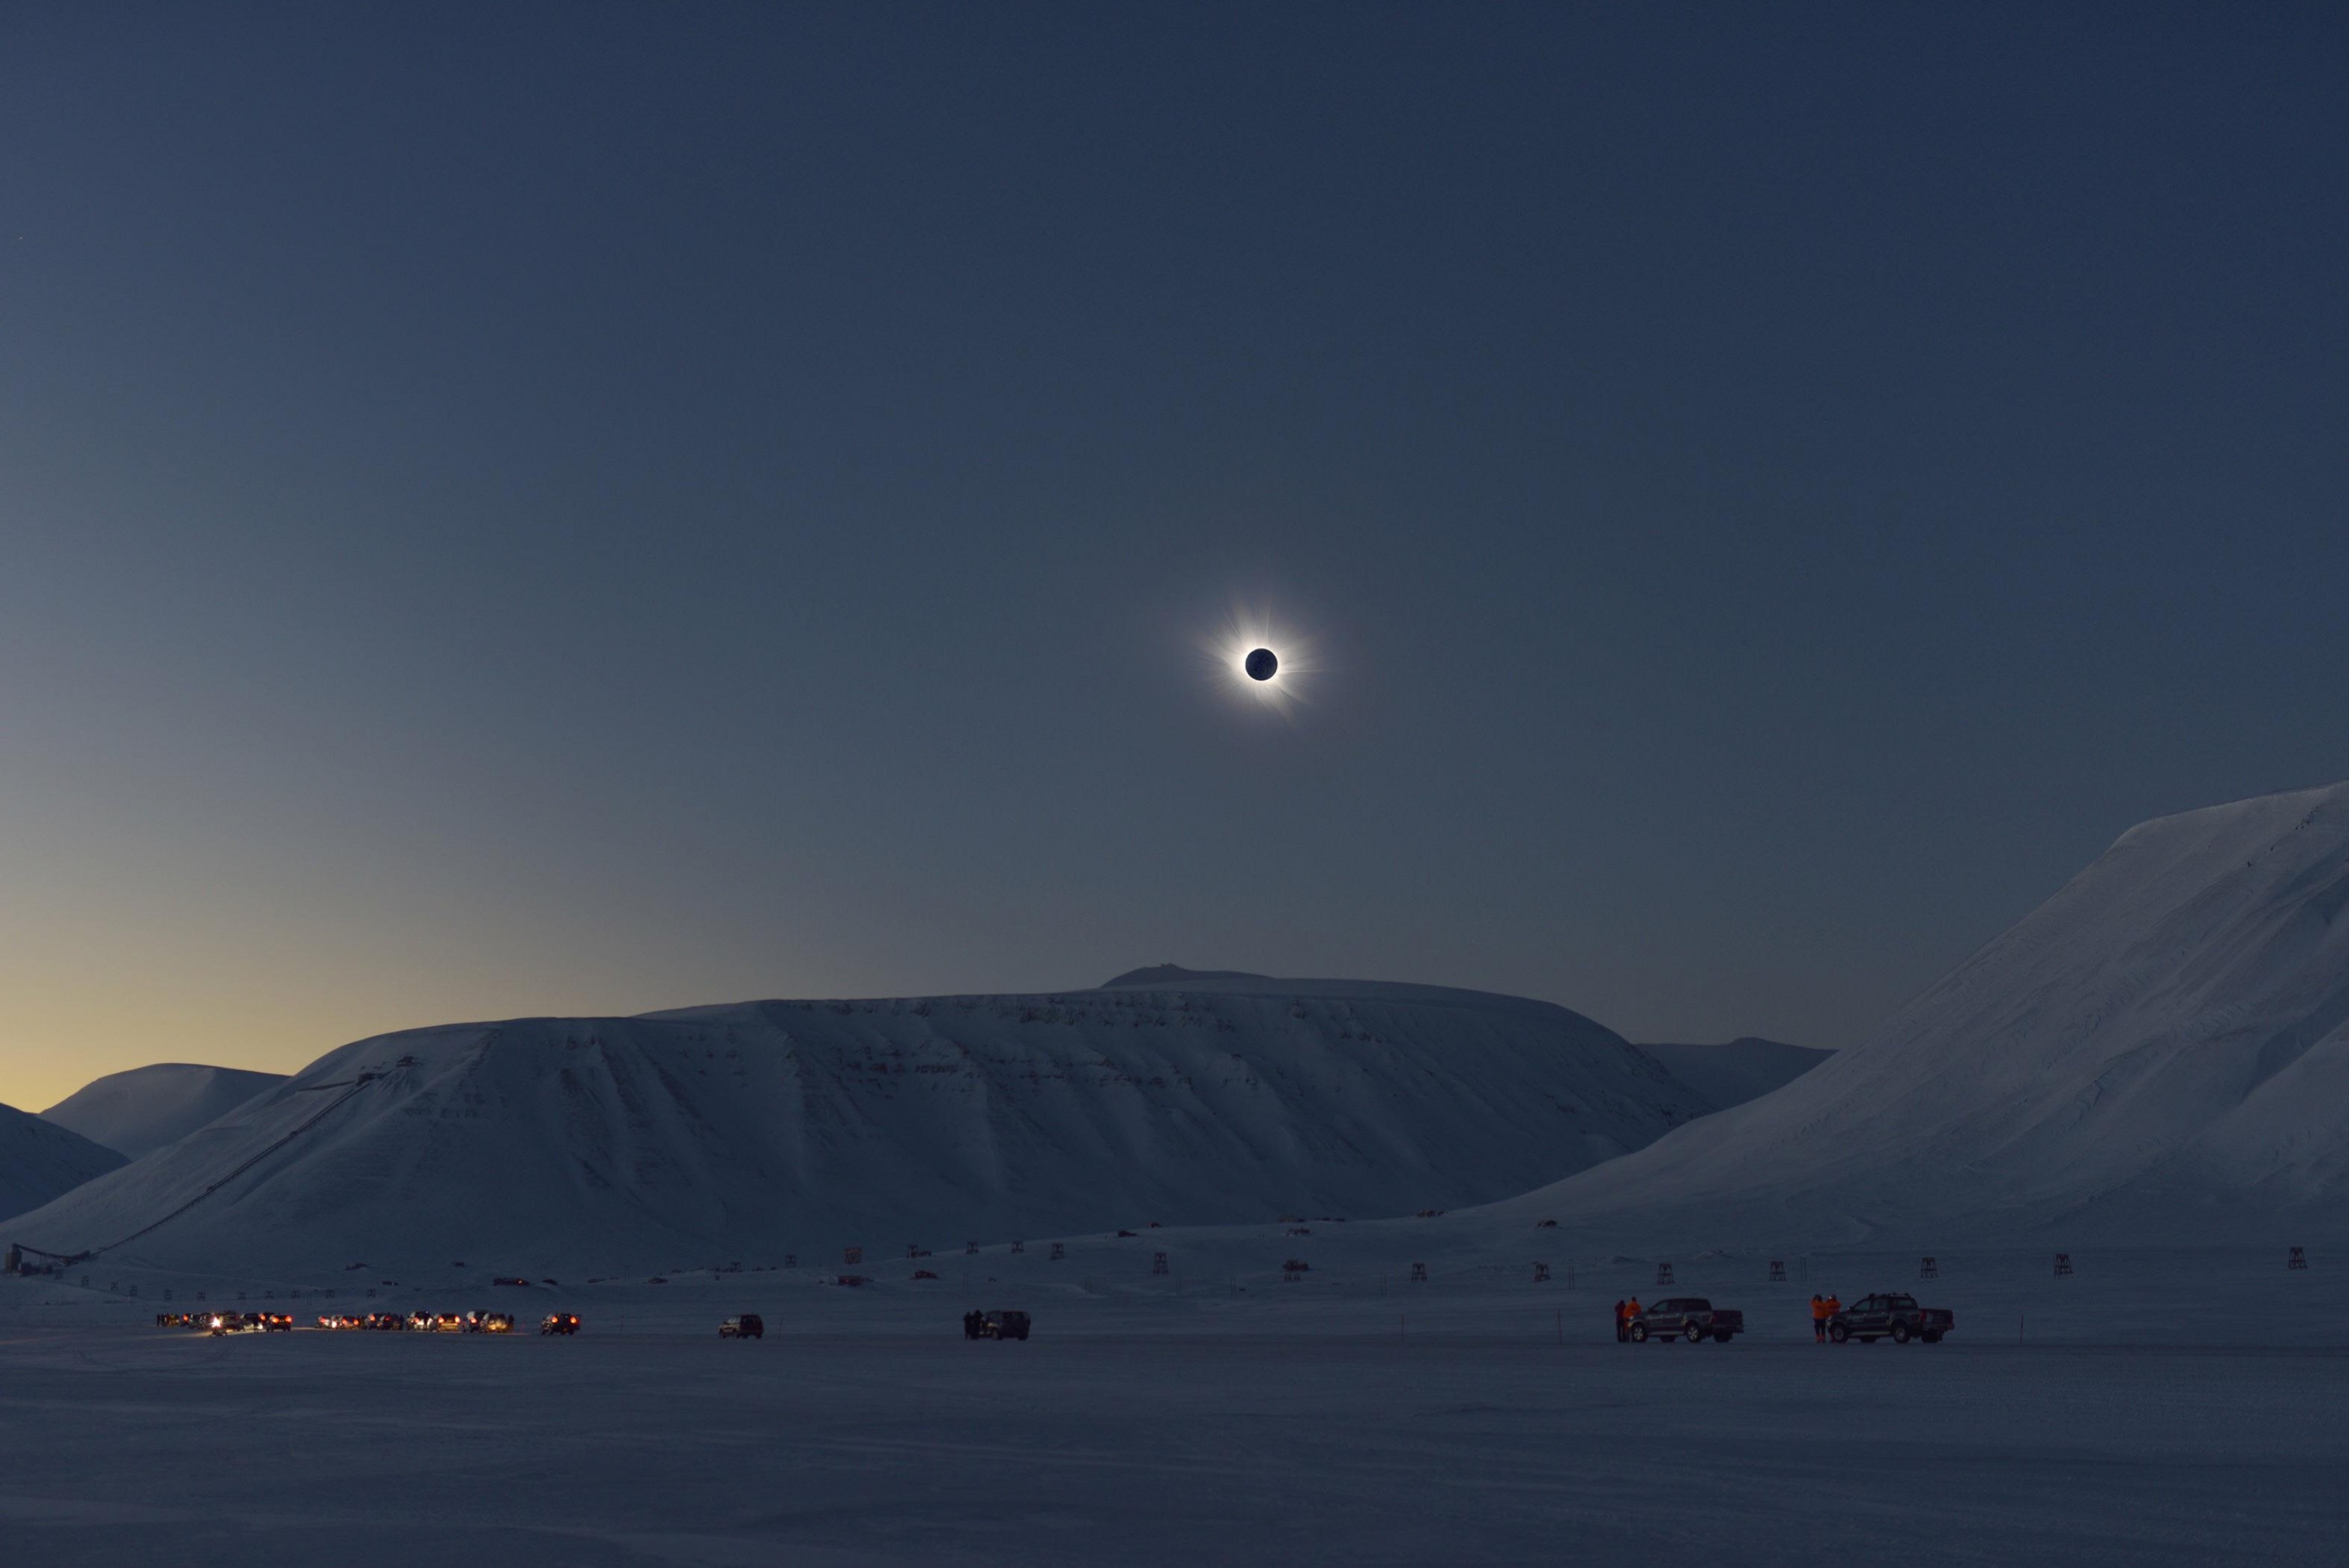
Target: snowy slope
{"type": "Point", "coordinates": [1745, 1069]}
{"type": "Point", "coordinates": [758, 1129]}
{"type": "Point", "coordinates": [38, 1161]}
{"type": "Point", "coordinates": [138, 1111]}
{"type": "Point", "coordinates": [2158, 1054]}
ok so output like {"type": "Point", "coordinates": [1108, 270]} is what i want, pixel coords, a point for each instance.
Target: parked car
{"type": "Point", "coordinates": [1893, 1316]}
{"type": "Point", "coordinates": [750, 1325]}
{"type": "Point", "coordinates": [560, 1323]}
{"type": "Point", "coordinates": [1003, 1325]}
{"type": "Point", "coordinates": [1691, 1318]}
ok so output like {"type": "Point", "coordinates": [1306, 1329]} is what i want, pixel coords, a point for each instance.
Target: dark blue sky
{"type": "Point", "coordinates": [510, 509]}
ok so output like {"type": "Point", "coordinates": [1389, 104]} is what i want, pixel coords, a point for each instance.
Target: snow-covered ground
{"type": "Point", "coordinates": [2187, 1408]}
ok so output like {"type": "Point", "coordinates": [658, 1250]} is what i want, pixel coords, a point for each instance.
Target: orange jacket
{"type": "Point", "coordinates": [1821, 1309]}
{"type": "Point", "coordinates": [1835, 1305]}
{"type": "Point", "coordinates": [1631, 1308]}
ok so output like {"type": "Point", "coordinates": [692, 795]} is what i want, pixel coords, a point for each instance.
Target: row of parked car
{"type": "Point", "coordinates": [228, 1322]}
{"type": "Point", "coordinates": [424, 1322]}
{"type": "Point", "coordinates": [999, 1324]}
{"type": "Point", "coordinates": [377, 1322]}
{"type": "Point", "coordinates": [1893, 1315]}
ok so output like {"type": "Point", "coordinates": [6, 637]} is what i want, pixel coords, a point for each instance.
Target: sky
{"type": "Point", "coordinates": [589, 508]}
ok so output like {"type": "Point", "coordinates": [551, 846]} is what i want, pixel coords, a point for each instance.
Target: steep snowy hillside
{"type": "Point", "coordinates": [38, 1161]}
{"type": "Point", "coordinates": [2158, 1054]}
{"type": "Point", "coordinates": [753, 1130]}
{"type": "Point", "coordinates": [138, 1111]}
{"type": "Point", "coordinates": [1745, 1069]}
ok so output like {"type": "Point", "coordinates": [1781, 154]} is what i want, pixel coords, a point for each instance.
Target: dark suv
{"type": "Point", "coordinates": [1003, 1325]}
{"type": "Point", "coordinates": [1893, 1316]}
{"type": "Point", "coordinates": [1691, 1318]}
{"type": "Point", "coordinates": [750, 1325]}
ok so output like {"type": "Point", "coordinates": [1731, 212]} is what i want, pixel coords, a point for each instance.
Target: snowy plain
{"type": "Point", "coordinates": [2156, 1407]}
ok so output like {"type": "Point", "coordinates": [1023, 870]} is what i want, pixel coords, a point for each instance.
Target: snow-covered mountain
{"type": "Point", "coordinates": [39, 1161]}
{"type": "Point", "coordinates": [753, 1130]}
{"type": "Point", "coordinates": [138, 1111]}
{"type": "Point", "coordinates": [2158, 1054]}
{"type": "Point", "coordinates": [1745, 1069]}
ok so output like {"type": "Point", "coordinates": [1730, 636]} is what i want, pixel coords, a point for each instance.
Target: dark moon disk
{"type": "Point", "coordinates": [1262, 664]}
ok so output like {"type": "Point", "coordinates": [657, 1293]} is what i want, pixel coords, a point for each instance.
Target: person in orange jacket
{"type": "Point", "coordinates": [1820, 1312]}
{"type": "Point", "coordinates": [1630, 1311]}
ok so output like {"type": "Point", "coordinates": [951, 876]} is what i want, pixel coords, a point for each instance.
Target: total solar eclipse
{"type": "Point", "coordinates": [1264, 667]}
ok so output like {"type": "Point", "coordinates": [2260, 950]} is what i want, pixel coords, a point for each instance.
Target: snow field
{"type": "Point", "coordinates": [1223, 1283]}
{"type": "Point", "coordinates": [1195, 1429]}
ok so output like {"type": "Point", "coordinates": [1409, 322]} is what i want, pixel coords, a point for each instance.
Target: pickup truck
{"type": "Point", "coordinates": [1691, 1318]}
{"type": "Point", "coordinates": [1892, 1315]}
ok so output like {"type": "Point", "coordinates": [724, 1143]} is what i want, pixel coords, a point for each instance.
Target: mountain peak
{"type": "Point", "coordinates": [1172, 974]}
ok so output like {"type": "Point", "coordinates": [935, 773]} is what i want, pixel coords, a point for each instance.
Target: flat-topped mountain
{"type": "Point", "coordinates": [757, 1129]}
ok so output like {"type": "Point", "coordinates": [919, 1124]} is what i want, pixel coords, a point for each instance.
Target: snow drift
{"type": "Point", "coordinates": [38, 1161]}
{"type": "Point", "coordinates": [2158, 1055]}
{"type": "Point", "coordinates": [755, 1130]}
{"type": "Point", "coordinates": [138, 1111]}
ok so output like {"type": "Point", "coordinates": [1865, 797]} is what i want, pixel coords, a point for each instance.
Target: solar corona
{"type": "Point", "coordinates": [1266, 668]}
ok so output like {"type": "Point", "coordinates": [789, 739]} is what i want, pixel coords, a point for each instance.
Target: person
{"type": "Point", "coordinates": [1818, 1319]}
{"type": "Point", "coordinates": [1630, 1311]}
{"type": "Point", "coordinates": [1622, 1323]}
{"type": "Point", "coordinates": [970, 1325]}
{"type": "Point", "coordinates": [1835, 1303]}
